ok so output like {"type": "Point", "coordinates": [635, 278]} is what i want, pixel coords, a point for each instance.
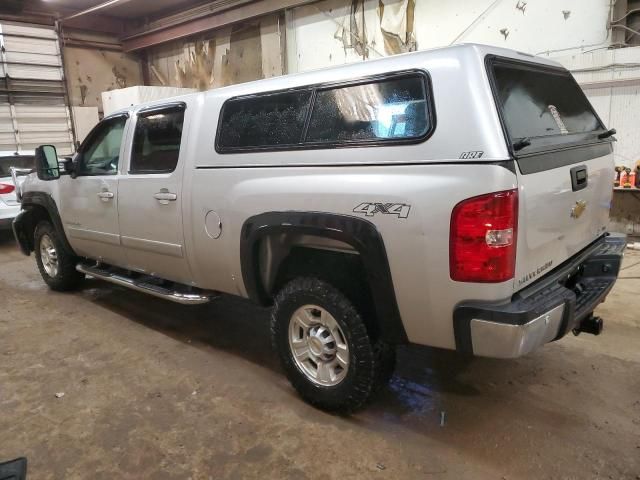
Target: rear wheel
{"type": "Point", "coordinates": [325, 348]}
{"type": "Point", "coordinates": [56, 265]}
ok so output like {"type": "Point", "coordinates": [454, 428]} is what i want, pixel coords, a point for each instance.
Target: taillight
{"type": "Point", "coordinates": [482, 242]}
{"type": "Point", "coordinates": [6, 188]}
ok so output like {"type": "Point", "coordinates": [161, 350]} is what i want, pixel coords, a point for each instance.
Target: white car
{"type": "Point", "coordinates": [9, 204]}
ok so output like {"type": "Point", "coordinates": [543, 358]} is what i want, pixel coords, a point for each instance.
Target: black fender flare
{"type": "Point", "coordinates": [359, 233]}
{"type": "Point", "coordinates": [24, 218]}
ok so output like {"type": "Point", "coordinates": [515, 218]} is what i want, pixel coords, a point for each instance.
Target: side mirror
{"type": "Point", "coordinates": [47, 166]}
{"type": "Point", "coordinates": [69, 167]}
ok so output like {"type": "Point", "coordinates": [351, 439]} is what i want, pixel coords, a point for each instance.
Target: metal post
{"type": "Point", "coordinates": [67, 98]}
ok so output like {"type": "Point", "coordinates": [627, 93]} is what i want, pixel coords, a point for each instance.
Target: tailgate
{"type": "Point", "coordinates": [556, 222]}
{"type": "Point", "coordinates": [19, 161]}
{"type": "Point", "coordinates": [565, 163]}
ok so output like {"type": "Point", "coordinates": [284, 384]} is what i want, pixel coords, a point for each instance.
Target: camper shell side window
{"type": "Point", "coordinates": [378, 110]}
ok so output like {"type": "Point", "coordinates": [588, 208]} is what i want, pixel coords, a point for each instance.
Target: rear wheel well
{"type": "Point", "coordinates": [343, 269]}
{"type": "Point", "coordinates": [349, 252]}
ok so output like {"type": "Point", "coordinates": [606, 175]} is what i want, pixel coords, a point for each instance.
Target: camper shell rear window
{"type": "Point", "coordinates": [541, 106]}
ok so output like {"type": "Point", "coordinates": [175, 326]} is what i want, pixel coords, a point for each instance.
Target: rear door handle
{"type": "Point", "coordinates": [164, 196]}
{"type": "Point", "coordinates": [105, 196]}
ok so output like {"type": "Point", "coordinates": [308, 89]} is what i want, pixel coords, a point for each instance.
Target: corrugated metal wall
{"type": "Point", "coordinates": [33, 105]}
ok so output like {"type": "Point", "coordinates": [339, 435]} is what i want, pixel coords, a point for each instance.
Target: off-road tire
{"type": "Point", "coordinates": [67, 277]}
{"type": "Point", "coordinates": [371, 362]}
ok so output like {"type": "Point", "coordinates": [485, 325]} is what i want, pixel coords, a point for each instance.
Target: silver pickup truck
{"type": "Point", "coordinates": [456, 198]}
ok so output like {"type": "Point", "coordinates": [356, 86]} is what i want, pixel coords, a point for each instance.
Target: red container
{"type": "Point", "coordinates": [623, 178]}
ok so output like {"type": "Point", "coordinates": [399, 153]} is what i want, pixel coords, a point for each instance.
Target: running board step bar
{"type": "Point", "coordinates": [147, 284]}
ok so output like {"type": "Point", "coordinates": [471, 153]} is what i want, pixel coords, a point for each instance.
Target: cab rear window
{"type": "Point", "coordinates": [538, 102]}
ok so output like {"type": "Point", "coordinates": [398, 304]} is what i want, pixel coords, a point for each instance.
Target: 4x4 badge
{"type": "Point", "coordinates": [578, 209]}
{"type": "Point", "coordinates": [370, 209]}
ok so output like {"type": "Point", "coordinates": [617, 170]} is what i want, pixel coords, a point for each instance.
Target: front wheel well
{"type": "Point", "coordinates": [34, 214]}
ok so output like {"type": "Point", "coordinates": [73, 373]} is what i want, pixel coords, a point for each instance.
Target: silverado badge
{"type": "Point", "coordinates": [578, 209]}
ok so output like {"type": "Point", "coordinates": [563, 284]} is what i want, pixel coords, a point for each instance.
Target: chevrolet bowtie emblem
{"type": "Point", "coordinates": [578, 209]}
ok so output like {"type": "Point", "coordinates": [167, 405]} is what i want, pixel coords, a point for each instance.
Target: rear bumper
{"type": "Point", "coordinates": [5, 223]}
{"type": "Point", "coordinates": [7, 214]}
{"type": "Point", "coordinates": [544, 311]}
{"type": "Point", "coordinates": [20, 232]}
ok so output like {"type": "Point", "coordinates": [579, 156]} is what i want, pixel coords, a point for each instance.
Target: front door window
{"type": "Point", "coordinates": [100, 153]}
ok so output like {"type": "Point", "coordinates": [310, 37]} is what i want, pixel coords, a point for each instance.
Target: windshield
{"type": "Point", "coordinates": [538, 101]}
{"type": "Point", "coordinates": [19, 161]}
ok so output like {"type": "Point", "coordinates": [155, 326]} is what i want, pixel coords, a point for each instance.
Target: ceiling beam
{"type": "Point", "coordinates": [69, 40]}
{"type": "Point", "coordinates": [183, 16]}
{"type": "Point", "coordinates": [211, 22]}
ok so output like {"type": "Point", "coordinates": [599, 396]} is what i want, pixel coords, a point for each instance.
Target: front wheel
{"type": "Point", "coordinates": [56, 265]}
{"type": "Point", "coordinates": [325, 348]}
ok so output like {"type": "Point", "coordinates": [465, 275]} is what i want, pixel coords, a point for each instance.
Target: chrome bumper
{"type": "Point", "coordinates": [501, 340]}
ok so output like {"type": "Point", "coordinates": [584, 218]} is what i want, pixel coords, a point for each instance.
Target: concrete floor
{"type": "Point", "coordinates": [157, 390]}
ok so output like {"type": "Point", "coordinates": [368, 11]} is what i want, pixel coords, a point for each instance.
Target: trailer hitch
{"type": "Point", "coordinates": [590, 324]}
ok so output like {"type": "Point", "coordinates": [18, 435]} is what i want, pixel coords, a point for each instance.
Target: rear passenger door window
{"type": "Point", "coordinates": [270, 120]}
{"type": "Point", "coordinates": [156, 140]}
{"type": "Point", "coordinates": [394, 109]}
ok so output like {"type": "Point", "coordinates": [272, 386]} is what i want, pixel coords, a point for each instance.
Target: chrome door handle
{"type": "Point", "coordinates": [105, 196]}
{"type": "Point", "coordinates": [164, 196]}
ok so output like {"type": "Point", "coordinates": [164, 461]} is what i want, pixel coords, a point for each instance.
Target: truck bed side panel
{"type": "Point", "coordinates": [417, 246]}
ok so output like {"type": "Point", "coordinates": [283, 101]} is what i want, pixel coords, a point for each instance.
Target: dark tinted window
{"type": "Point", "coordinates": [18, 161]}
{"type": "Point", "coordinates": [383, 110]}
{"type": "Point", "coordinates": [156, 141]}
{"type": "Point", "coordinates": [541, 102]}
{"type": "Point", "coordinates": [262, 121]}
{"type": "Point", "coordinates": [100, 152]}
